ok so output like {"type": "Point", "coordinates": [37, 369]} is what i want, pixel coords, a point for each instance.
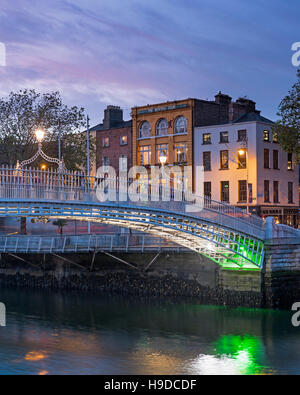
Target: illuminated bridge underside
{"type": "Point", "coordinates": [229, 248]}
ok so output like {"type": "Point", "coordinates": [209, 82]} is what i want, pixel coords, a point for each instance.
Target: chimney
{"type": "Point", "coordinates": [113, 115]}
{"type": "Point", "coordinates": [224, 102]}
{"type": "Point", "coordinates": [240, 107]}
{"type": "Point", "coordinates": [221, 98]}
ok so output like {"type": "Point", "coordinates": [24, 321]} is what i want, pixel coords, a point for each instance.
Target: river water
{"type": "Point", "coordinates": [52, 333]}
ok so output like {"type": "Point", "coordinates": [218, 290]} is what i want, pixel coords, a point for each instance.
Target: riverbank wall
{"type": "Point", "coordinates": [167, 275]}
{"type": "Point", "coordinates": [186, 274]}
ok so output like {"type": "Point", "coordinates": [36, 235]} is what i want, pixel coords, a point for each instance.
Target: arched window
{"type": "Point", "coordinates": [180, 125]}
{"type": "Point", "coordinates": [162, 127]}
{"type": "Point", "coordinates": [145, 130]}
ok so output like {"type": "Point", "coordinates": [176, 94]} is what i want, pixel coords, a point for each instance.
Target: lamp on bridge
{"type": "Point", "coordinates": [40, 134]}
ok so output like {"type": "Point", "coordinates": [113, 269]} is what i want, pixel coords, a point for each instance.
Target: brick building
{"type": "Point", "coordinates": [113, 141]}
{"type": "Point", "coordinates": [167, 128]}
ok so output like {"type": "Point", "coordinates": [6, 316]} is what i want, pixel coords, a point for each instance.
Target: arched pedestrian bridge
{"type": "Point", "coordinates": [226, 234]}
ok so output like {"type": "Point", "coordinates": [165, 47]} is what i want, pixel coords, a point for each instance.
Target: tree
{"type": "Point", "coordinates": [287, 128]}
{"type": "Point", "coordinates": [60, 223]}
{"type": "Point", "coordinates": [24, 112]}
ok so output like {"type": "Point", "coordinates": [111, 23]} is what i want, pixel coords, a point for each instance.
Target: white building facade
{"type": "Point", "coordinates": [245, 166]}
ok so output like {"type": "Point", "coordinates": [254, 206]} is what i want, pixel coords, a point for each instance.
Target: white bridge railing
{"type": "Point", "coordinates": [52, 185]}
{"type": "Point", "coordinates": [86, 243]}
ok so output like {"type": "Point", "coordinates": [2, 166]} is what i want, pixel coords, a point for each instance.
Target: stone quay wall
{"type": "Point", "coordinates": [170, 275]}
{"type": "Point", "coordinates": [281, 272]}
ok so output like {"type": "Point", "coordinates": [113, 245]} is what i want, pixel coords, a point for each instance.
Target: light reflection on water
{"type": "Point", "coordinates": [81, 334]}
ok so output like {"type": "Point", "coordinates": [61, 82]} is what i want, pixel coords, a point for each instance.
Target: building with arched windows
{"type": "Point", "coordinates": [166, 129]}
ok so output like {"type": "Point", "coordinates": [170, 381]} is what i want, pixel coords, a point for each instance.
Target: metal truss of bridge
{"type": "Point", "coordinates": [226, 234]}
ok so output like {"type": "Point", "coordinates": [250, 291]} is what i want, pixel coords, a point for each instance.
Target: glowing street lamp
{"type": "Point", "coordinates": [40, 134]}
{"type": "Point", "coordinates": [242, 152]}
{"type": "Point", "coordinates": [163, 158]}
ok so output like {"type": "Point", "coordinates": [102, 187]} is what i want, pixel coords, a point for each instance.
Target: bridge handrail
{"type": "Point", "coordinates": [48, 184]}
{"type": "Point", "coordinates": [86, 243]}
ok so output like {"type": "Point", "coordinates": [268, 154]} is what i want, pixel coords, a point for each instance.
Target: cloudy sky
{"type": "Point", "coordinates": [135, 52]}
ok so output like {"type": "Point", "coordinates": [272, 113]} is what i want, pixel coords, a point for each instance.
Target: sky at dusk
{"type": "Point", "coordinates": [137, 52]}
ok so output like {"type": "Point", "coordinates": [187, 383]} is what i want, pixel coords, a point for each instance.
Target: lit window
{"type": "Point", "coordinates": [105, 142]}
{"type": "Point", "coordinates": [180, 153]}
{"type": "Point", "coordinates": [162, 128]}
{"type": "Point", "coordinates": [275, 137]}
{"type": "Point", "coordinates": [145, 130]}
{"type": "Point", "coordinates": [266, 135]}
{"type": "Point", "coordinates": [180, 125]}
{"type": "Point", "coordinates": [124, 140]}
{"type": "Point", "coordinates": [206, 138]}
{"type": "Point", "coordinates": [162, 150]}
{"type": "Point", "coordinates": [145, 155]}
{"type": "Point", "coordinates": [290, 161]}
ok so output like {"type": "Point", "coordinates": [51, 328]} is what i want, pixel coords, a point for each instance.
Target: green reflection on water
{"type": "Point", "coordinates": [246, 350]}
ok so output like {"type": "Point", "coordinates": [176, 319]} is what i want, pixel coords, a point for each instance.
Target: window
{"type": "Point", "coordinates": [266, 159]}
{"type": "Point", "coordinates": [291, 192]}
{"type": "Point", "coordinates": [123, 140]}
{"type": "Point", "coordinates": [275, 160]}
{"type": "Point", "coordinates": [123, 163]}
{"type": "Point", "coordinates": [105, 161]}
{"type": "Point", "coordinates": [145, 130]}
{"type": "Point", "coordinates": [242, 135]}
{"type": "Point", "coordinates": [207, 190]}
{"type": "Point", "coordinates": [267, 191]}
{"type": "Point", "coordinates": [225, 191]}
{"type": "Point", "coordinates": [162, 128]}
{"type": "Point", "coordinates": [224, 164]}
{"type": "Point", "coordinates": [145, 155]}
{"type": "Point", "coordinates": [105, 142]}
{"type": "Point", "coordinates": [206, 138]}
{"type": "Point", "coordinates": [162, 150]}
{"type": "Point", "coordinates": [275, 137]}
{"type": "Point", "coordinates": [266, 135]}
{"type": "Point", "coordinates": [180, 125]}
{"type": "Point", "coordinates": [242, 159]}
{"type": "Point", "coordinates": [290, 162]}
{"type": "Point", "coordinates": [242, 191]}
{"type": "Point", "coordinates": [224, 138]}
{"type": "Point", "coordinates": [180, 153]}
{"type": "Point", "coordinates": [207, 161]}
{"type": "Point", "coordinates": [275, 191]}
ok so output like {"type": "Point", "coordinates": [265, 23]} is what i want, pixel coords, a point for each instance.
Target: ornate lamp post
{"type": "Point", "coordinates": [40, 134]}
